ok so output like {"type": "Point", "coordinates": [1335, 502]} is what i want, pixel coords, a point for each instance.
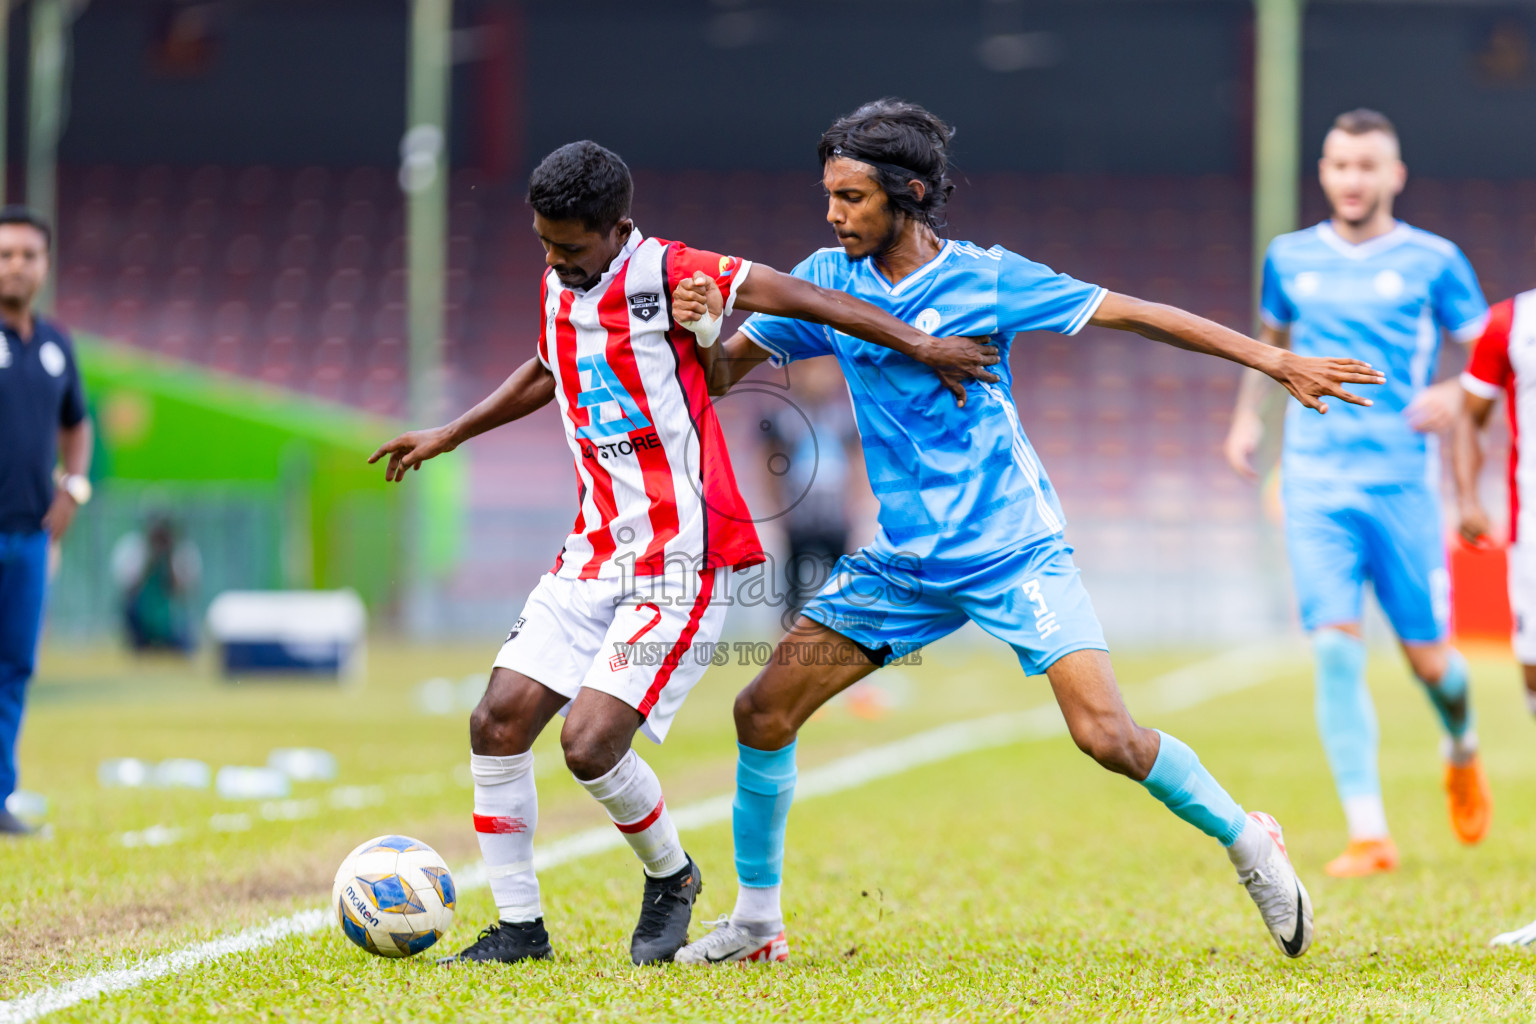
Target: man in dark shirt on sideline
{"type": "Point", "coordinates": [42, 424]}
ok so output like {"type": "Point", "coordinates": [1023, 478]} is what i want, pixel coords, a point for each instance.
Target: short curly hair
{"type": "Point", "coordinates": [902, 142]}
{"type": "Point", "coordinates": [582, 181]}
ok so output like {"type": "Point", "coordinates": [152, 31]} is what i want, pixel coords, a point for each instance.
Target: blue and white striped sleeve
{"type": "Point", "coordinates": [784, 338]}
{"type": "Point", "coordinates": [1033, 297]}
{"type": "Point", "coordinates": [1458, 300]}
{"type": "Point", "coordinates": [1275, 308]}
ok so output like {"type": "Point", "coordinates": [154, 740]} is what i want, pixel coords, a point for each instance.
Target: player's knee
{"type": "Point", "coordinates": [759, 725]}
{"type": "Point", "coordinates": [490, 730]}
{"type": "Point", "coordinates": [590, 753]}
{"type": "Point", "coordinates": [1111, 740]}
{"type": "Point", "coordinates": [1429, 663]}
{"type": "Point", "coordinates": [499, 723]}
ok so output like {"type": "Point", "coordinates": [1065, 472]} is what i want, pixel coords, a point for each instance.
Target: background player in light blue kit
{"type": "Point", "coordinates": [1362, 487]}
{"type": "Point", "coordinates": [970, 527]}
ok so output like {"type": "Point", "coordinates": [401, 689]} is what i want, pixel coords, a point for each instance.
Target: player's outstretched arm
{"type": "Point", "coordinates": [765, 290]}
{"type": "Point", "coordinates": [1310, 380]}
{"type": "Point", "coordinates": [530, 387]}
{"type": "Point", "coordinates": [1467, 465]}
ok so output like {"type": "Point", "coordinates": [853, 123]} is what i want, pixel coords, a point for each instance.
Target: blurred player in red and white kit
{"type": "Point", "coordinates": [1504, 363]}
{"type": "Point", "coordinates": [660, 527]}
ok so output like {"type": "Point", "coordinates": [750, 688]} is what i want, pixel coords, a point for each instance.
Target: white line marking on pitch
{"type": "Point", "coordinates": [342, 798]}
{"type": "Point", "coordinates": [1174, 691]}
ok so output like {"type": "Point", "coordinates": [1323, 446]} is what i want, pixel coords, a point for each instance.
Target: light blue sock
{"type": "Point", "coordinates": [1451, 699]}
{"type": "Point", "coordinates": [765, 787]}
{"type": "Point", "coordinates": [1184, 786]}
{"type": "Point", "coordinates": [1346, 718]}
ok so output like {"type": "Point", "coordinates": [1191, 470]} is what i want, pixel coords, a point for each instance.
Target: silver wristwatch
{"type": "Point", "coordinates": [76, 486]}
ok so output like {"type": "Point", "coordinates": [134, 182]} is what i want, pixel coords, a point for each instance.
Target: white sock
{"type": "Point", "coordinates": [757, 910]}
{"type": "Point", "coordinates": [1461, 749]}
{"type": "Point", "coordinates": [631, 793]}
{"type": "Point", "coordinates": [506, 814]}
{"type": "Point", "coordinates": [1366, 817]}
{"type": "Point", "coordinates": [1250, 848]}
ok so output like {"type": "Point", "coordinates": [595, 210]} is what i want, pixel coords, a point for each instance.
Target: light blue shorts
{"type": "Point", "coordinates": [1341, 534]}
{"type": "Point", "coordinates": [892, 603]}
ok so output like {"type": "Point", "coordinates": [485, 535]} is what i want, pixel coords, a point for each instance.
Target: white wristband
{"type": "Point", "coordinates": [706, 330]}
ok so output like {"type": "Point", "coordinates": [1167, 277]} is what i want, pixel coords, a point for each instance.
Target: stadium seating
{"type": "Point", "coordinates": [296, 277]}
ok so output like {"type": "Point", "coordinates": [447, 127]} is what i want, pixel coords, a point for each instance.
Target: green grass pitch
{"type": "Point", "coordinates": [1021, 883]}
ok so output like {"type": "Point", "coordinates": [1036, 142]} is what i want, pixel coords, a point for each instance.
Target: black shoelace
{"type": "Point", "coordinates": [494, 937]}
{"type": "Point", "coordinates": [653, 912]}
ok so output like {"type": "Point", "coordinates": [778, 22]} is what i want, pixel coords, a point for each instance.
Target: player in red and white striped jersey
{"type": "Point", "coordinates": [610, 637]}
{"type": "Point", "coordinates": [638, 420]}
{"type": "Point", "coordinates": [1504, 363]}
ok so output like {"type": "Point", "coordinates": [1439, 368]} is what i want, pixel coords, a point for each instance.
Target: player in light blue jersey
{"type": "Point", "coordinates": [970, 527]}
{"type": "Point", "coordinates": [1361, 487]}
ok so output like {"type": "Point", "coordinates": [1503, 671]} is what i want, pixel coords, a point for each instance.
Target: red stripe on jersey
{"type": "Point", "coordinates": [1514, 467]}
{"type": "Point", "coordinates": [544, 358]}
{"type": "Point", "coordinates": [630, 828]}
{"type": "Point", "coordinates": [1490, 363]}
{"type": "Point", "coordinates": [544, 320]}
{"type": "Point", "coordinates": [603, 544]}
{"type": "Point", "coordinates": [499, 825]}
{"type": "Point", "coordinates": [613, 314]}
{"type": "Point", "coordinates": [602, 486]}
{"type": "Point", "coordinates": [675, 655]}
{"type": "Point", "coordinates": [730, 538]}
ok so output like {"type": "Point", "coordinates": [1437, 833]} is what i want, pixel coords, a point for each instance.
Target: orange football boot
{"type": "Point", "coordinates": [1469, 799]}
{"type": "Point", "coordinates": [1364, 857]}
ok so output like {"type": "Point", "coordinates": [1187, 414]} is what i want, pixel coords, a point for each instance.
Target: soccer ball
{"type": "Point", "coordinates": [393, 896]}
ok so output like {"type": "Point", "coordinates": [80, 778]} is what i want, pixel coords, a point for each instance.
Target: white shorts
{"type": "Point", "coordinates": [645, 640]}
{"type": "Point", "coordinates": [1522, 596]}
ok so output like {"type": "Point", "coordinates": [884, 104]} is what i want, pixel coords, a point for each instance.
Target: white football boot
{"type": "Point", "coordinates": [730, 944]}
{"type": "Point", "coordinates": [1519, 937]}
{"type": "Point", "coordinates": [1282, 899]}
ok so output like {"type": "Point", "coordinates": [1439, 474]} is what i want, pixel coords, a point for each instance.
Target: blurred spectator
{"type": "Point", "coordinates": [813, 460]}
{"type": "Point", "coordinates": [157, 575]}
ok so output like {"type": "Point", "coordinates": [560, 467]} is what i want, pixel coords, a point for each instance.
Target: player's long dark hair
{"type": "Point", "coordinates": [902, 142]}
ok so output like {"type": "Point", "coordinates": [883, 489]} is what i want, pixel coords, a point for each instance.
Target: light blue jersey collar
{"type": "Point", "coordinates": [1399, 234]}
{"type": "Point", "coordinates": [917, 275]}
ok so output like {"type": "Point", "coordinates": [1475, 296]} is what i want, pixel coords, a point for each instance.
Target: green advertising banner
{"type": "Point", "coordinates": [173, 435]}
